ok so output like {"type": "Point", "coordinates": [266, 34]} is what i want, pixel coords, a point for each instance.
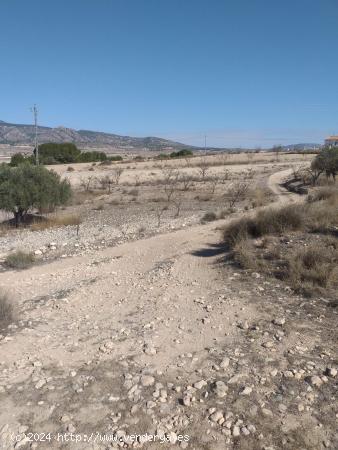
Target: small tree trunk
{"type": "Point", "coordinates": [18, 217]}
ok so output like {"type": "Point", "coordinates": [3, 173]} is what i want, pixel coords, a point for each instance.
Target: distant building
{"type": "Point", "coordinates": [331, 141]}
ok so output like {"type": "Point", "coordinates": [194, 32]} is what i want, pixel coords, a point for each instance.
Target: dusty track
{"type": "Point", "coordinates": [91, 326]}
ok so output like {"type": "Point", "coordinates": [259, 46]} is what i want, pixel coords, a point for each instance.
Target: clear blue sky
{"type": "Point", "coordinates": [244, 72]}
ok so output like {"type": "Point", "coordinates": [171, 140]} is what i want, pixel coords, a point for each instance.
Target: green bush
{"type": "Point", "coordinates": [19, 260]}
{"type": "Point", "coordinates": [18, 159]}
{"type": "Point", "coordinates": [93, 156]}
{"type": "Point", "coordinates": [54, 153]}
{"type": "Point", "coordinates": [28, 187]}
{"type": "Point", "coordinates": [181, 154]}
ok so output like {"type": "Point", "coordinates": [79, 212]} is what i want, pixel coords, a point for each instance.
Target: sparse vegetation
{"type": "Point", "coordinates": [305, 267]}
{"type": "Point", "coordinates": [56, 221]}
{"type": "Point", "coordinates": [19, 260]}
{"type": "Point", "coordinates": [6, 309]}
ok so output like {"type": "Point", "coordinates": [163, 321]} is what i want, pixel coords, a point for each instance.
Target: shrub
{"type": "Point", "coordinates": [209, 217]}
{"type": "Point", "coordinates": [315, 265]}
{"type": "Point", "coordinates": [6, 310]}
{"type": "Point", "coordinates": [19, 260]}
{"type": "Point", "coordinates": [18, 159]}
{"type": "Point", "coordinates": [324, 193]}
{"type": "Point", "coordinates": [243, 254]}
{"type": "Point", "coordinates": [30, 187]}
{"type": "Point", "coordinates": [92, 156]}
{"type": "Point", "coordinates": [267, 221]}
{"type": "Point", "coordinates": [180, 154]}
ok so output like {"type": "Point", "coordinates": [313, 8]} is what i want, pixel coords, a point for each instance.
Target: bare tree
{"type": "Point", "coordinates": [106, 182]}
{"type": "Point", "coordinates": [177, 200]}
{"type": "Point", "coordinates": [159, 213]}
{"type": "Point", "coordinates": [203, 168]}
{"type": "Point", "coordinates": [277, 149]}
{"type": "Point", "coordinates": [170, 180]}
{"type": "Point", "coordinates": [236, 192]}
{"type": "Point", "coordinates": [86, 182]}
{"type": "Point", "coordinates": [225, 176]}
{"type": "Point", "coordinates": [116, 175]}
{"type": "Point", "coordinates": [137, 180]}
{"type": "Point", "coordinates": [213, 183]}
{"type": "Point", "coordinates": [186, 180]}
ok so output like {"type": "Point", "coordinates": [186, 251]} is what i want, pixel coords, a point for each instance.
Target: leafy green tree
{"type": "Point", "coordinates": [27, 187]}
{"type": "Point", "coordinates": [93, 156]}
{"type": "Point", "coordinates": [53, 153]}
{"type": "Point", "coordinates": [326, 161]}
{"type": "Point", "coordinates": [17, 159]}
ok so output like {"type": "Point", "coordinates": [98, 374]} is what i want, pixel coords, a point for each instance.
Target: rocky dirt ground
{"type": "Point", "coordinates": [164, 336]}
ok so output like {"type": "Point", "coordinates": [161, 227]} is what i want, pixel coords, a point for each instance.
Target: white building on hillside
{"type": "Point", "coordinates": [331, 141]}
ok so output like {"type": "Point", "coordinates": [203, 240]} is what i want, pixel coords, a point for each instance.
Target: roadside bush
{"type": "Point", "coordinates": [315, 265]}
{"type": "Point", "coordinates": [19, 260]}
{"type": "Point", "coordinates": [243, 254]}
{"type": "Point", "coordinates": [265, 222]}
{"type": "Point", "coordinates": [323, 193]}
{"type": "Point", "coordinates": [6, 310]}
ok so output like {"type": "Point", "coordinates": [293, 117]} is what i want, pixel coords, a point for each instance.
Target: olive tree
{"type": "Point", "coordinates": [28, 187]}
{"type": "Point", "coordinates": [326, 161]}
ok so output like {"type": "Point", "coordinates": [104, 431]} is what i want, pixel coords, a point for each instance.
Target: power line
{"type": "Point", "coordinates": [36, 145]}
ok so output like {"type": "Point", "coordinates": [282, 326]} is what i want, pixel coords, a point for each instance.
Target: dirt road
{"type": "Point", "coordinates": [115, 342]}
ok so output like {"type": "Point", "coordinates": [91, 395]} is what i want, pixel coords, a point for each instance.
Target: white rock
{"type": "Point", "coordinates": [147, 380]}
{"type": "Point", "coordinates": [40, 383]}
{"type": "Point", "coordinates": [216, 416]}
{"type": "Point", "coordinates": [331, 372]}
{"type": "Point", "coordinates": [236, 431]}
{"type": "Point", "coordinates": [279, 321]}
{"type": "Point", "coordinates": [246, 390]}
{"type": "Point", "coordinates": [225, 363]}
{"type": "Point", "coordinates": [200, 384]}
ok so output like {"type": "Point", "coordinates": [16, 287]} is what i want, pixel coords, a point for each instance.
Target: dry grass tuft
{"type": "Point", "coordinates": [6, 310]}
{"type": "Point", "coordinates": [56, 222]}
{"type": "Point", "coordinates": [209, 217]}
{"type": "Point", "coordinates": [19, 260]}
{"type": "Point", "coordinates": [327, 193]}
{"type": "Point", "coordinates": [308, 267]}
{"type": "Point", "coordinates": [265, 222]}
{"type": "Point", "coordinates": [312, 266]}
{"type": "Point", "coordinates": [260, 197]}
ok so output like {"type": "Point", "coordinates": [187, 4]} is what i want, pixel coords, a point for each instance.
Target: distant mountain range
{"type": "Point", "coordinates": [17, 134]}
